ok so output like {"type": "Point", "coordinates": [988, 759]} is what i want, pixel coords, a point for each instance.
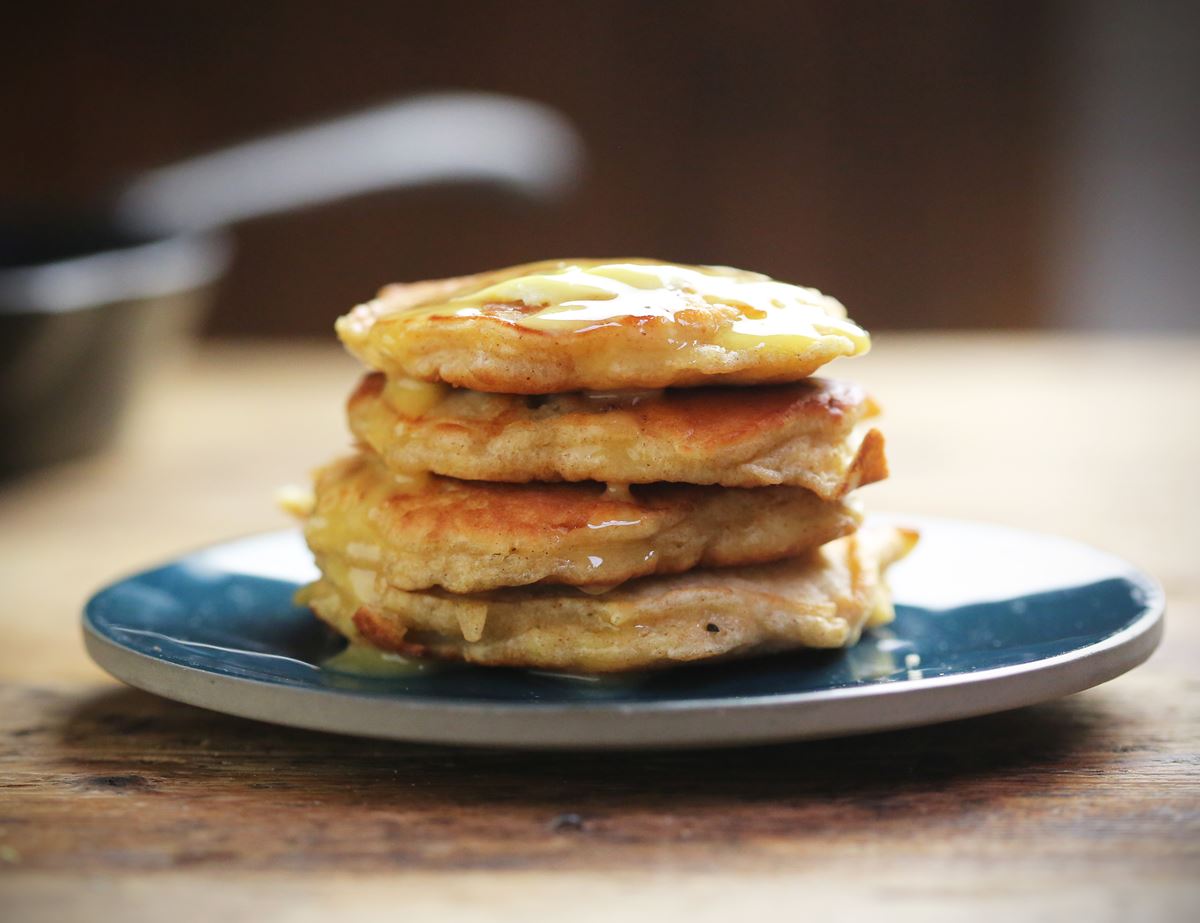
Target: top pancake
{"type": "Point", "coordinates": [569, 325]}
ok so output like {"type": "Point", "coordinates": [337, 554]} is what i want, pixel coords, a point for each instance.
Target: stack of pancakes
{"type": "Point", "coordinates": [601, 465]}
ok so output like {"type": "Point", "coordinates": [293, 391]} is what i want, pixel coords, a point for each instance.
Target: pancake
{"type": "Point", "coordinates": [573, 325]}
{"type": "Point", "coordinates": [811, 434]}
{"type": "Point", "coordinates": [469, 536]}
{"type": "Point", "coordinates": [821, 600]}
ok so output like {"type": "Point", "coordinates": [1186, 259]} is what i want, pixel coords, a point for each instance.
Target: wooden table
{"type": "Point", "coordinates": [117, 805]}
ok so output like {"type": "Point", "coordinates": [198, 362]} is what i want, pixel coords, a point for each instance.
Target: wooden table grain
{"type": "Point", "coordinates": [115, 804]}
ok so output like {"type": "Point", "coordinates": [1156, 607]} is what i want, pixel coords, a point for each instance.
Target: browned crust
{"type": "Point", "coordinates": [386, 635]}
{"type": "Point", "coordinates": [869, 465]}
{"type": "Point", "coordinates": [800, 434]}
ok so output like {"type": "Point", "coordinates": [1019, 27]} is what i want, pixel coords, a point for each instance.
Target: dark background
{"type": "Point", "coordinates": [933, 164]}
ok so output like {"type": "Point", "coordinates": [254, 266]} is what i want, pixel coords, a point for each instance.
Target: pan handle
{"type": "Point", "coordinates": [437, 137]}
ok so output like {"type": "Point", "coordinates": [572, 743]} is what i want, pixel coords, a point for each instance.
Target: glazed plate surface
{"type": "Point", "coordinates": [988, 618]}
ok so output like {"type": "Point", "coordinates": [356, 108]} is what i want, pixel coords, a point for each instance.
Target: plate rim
{"type": "Point", "coordinates": [814, 714]}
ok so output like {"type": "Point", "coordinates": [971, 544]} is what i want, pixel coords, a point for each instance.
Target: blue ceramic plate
{"type": "Point", "coordinates": [988, 618]}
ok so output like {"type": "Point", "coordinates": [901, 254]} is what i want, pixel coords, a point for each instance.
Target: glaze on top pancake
{"type": "Point", "coordinates": [571, 325]}
{"type": "Point", "coordinates": [810, 434]}
{"type": "Point", "coordinates": [823, 599]}
{"type": "Point", "coordinates": [469, 536]}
